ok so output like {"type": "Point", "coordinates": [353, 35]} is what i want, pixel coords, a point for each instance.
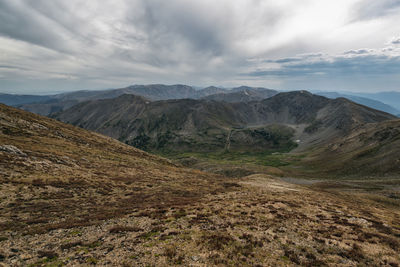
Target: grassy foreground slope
{"type": "Point", "coordinates": [50, 170]}
{"type": "Point", "coordinates": [75, 198]}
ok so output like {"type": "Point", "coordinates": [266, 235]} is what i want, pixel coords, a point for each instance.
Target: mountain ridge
{"type": "Point", "coordinates": [363, 101]}
{"type": "Point", "coordinates": [370, 150]}
{"type": "Point", "coordinates": [47, 104]}
{"type": "Point", "coordinates": [206, 124]}
{"type": "Point", "coordinates": [153, 92]}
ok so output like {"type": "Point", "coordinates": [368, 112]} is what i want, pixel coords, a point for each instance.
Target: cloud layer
{"type": "Point", "coordinates": [52, 46]}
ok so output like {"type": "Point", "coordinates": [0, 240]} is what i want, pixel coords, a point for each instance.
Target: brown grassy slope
{"type": "Point", "coordinates": [372, 149]}
{"type": "Point", "coordinates": [62, 176]}
{"type": "Point", "coordinates": [265, 223]}
{"type": "Point", "coordinates": [75, 198]}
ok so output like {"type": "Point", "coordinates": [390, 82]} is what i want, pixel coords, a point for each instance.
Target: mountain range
{"type": "Point", "coordinates": [370, 102]}
{"type": "Point", "coordinates": [391, 98]}
{"type": "Point", "coordinates": [14, 100]}
{"type": "Point", "coordinates": [281, 122]}
{"type": "Point", "coordinates": [47, 104]}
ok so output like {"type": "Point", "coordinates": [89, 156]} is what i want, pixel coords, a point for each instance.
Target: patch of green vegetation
{"type": "Point", "coordinates": [94, 244]}
{"type": "Point", "coordinates": [75, 233]}
{"type": "Point", "coordinates": [140, 141]}
{"type": "Point", "coordinates": [149, 235]}
{"type": "Point", "coordinates": [368, 152]}
{"type": "Point", "coordinates": [149, 245]}
{"type": "Point", "coordinates": [313, 127]}
{"type": "Point", "coordinates": [163, 139]}
{"type": "Point", "coordinates": [91, 260]}
{"type": "Point", "coordinates": [48, 262]}
{"type": "Point", "coordinates": [267, 158]}
{"type": "Point", "coordinates": [392, 202]}
{"type": "Point", "coordinates": [278, 136]}
{"type": "Point", "coordinates": [179, 214]}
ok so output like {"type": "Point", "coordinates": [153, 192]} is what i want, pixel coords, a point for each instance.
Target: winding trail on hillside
{"type": "Point", "coordinates": [228, 140]}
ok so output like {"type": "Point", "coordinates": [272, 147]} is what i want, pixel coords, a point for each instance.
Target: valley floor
{"type": "Point", "coordinates": [258, 220]}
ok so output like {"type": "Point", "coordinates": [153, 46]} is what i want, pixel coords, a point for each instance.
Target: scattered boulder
{"type": "Point", "coordinates": [48, 254]}
{"type": "Point", "coordinates": [12, 150]}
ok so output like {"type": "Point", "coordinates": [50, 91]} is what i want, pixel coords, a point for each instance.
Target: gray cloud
{"type": "Point", "coordinates": [396, 41]}
{"type": "Point", "coordinates": [372, 9]}
{"type": "Point", "coordinates": [366, 65]}
{"type": "Point", "coordinates": [357, 52]}
{"type": "Point", "coordinates": [356, 70]}
{"type": "Point", "coordinates": [68, 45]}
{"type": "Point", "coordinates": [20, 23]}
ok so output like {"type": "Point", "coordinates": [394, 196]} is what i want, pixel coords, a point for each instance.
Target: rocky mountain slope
{"type": "Point", "coordinates": [372, 149]}
{"type": "Point", "coordinates": [70, 197]}
{"type": "Point", "coordinates": [279, 122]}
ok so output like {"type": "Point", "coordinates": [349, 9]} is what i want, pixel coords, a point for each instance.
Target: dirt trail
{"type": "Point", "coordinates": [228, 140]}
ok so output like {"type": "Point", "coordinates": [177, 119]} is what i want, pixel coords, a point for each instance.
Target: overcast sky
{"type": "Point", "coordinates": [48, 46]}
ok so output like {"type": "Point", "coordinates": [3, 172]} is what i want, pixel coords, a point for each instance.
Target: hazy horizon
{"type": "Point", "coordinates": [193, 86]}
{"type": "Point", "coordinates": [48, 47]}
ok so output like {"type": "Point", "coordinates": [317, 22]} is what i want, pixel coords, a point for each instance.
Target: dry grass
{"type": "Point", "coordinates": [71, 177]}
{"type": "Point", "coordinates": [80, 198]}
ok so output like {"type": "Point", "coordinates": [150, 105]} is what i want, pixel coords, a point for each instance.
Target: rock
{"type": "Point", "coordinates": [282, 229]}
{"type": "Point", "coordinates": [38, 126]}
{"type": "Point", "coordinates": [359, 221]}
{"type": "Point", "coordinates": [195, 258]}
{"type": "Point", "coordinates": [48, 254]}
{"type": "Point", "coordinates": [25, 257]}
{"type": "Point", "coordinates": [12, 150]}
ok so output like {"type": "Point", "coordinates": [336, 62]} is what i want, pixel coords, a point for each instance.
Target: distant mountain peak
{"type": "Point", "coordinates": [370, 102]}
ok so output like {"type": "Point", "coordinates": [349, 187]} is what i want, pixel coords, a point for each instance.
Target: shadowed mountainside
{"type": "Point", "coordinates": [372, 149]}
{"type": "Point", "coordinates": [187, 124]}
